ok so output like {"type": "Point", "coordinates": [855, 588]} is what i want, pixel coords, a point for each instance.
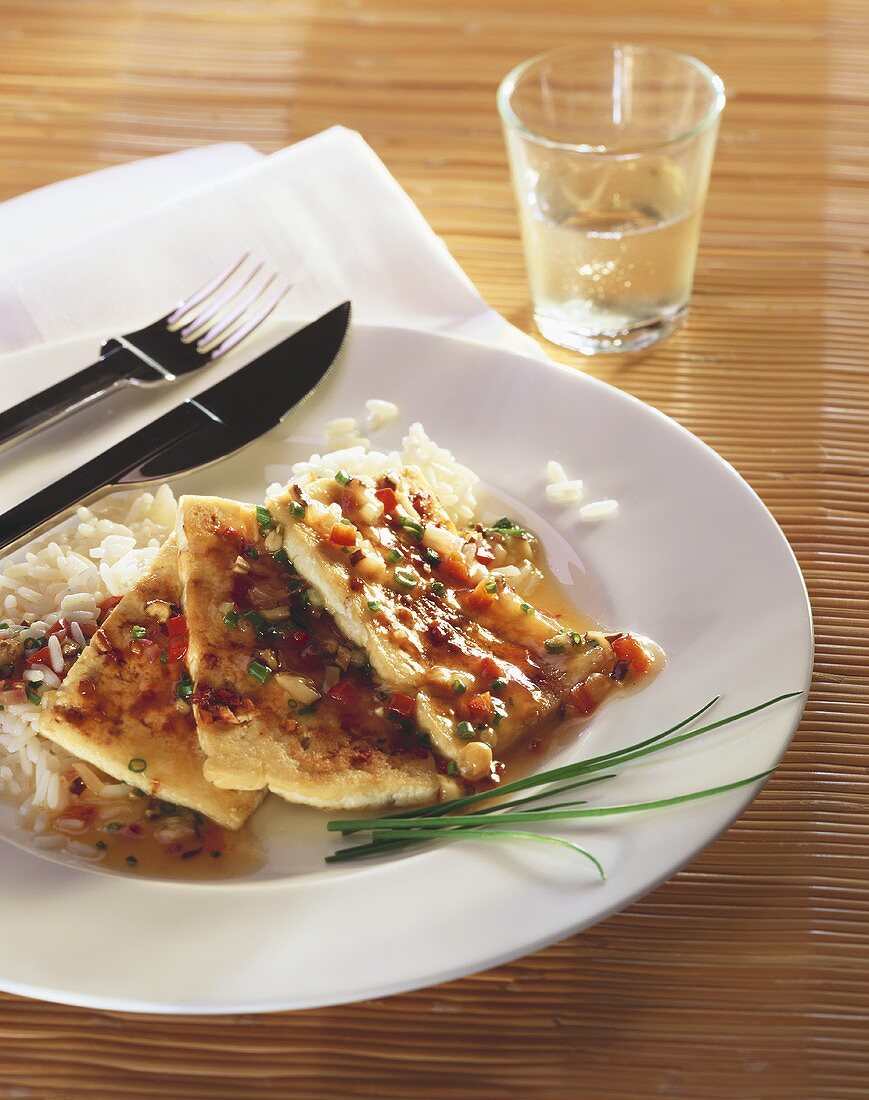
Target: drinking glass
{"type": "Point", "coordinates": [610, 151]}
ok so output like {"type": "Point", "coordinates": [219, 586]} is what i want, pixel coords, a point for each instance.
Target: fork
{"type": "Point", "coordinates": [198, 330]}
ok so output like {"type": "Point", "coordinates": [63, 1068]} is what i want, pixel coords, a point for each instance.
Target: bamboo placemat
{"type": "Point", "coordinates": [746, 975]}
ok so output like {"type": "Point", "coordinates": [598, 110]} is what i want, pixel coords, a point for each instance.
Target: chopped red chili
{"type": "Point", "coordinates": [388, 499]}
{"type": "Point", "coordinates": [480, 709]}
{"type": "Point", "coordinates": [400, 705]}
{"type": "Point", "coordinates": [176, 626]}
{"type": "Point", "coordinates": [344, 693]}
{"type": "Point", "coordinates": [630, 650]}
{"type": "Point", "coordinates": [38, 656]}
{"type": "Point", "coordinates": [177, 647]}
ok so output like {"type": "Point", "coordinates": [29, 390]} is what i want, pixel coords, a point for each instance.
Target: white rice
{"type": "Point", "coordinates": [565, 490]}
{"type": "Point", "coordinates": [101, 553]}
{"type": "Point", "coordinates": [380, 413]}
{"type": "Point", "coordinates": [454, 483]}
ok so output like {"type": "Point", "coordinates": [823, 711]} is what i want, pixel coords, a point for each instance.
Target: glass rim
{"type": "Point", "coordinates": [510, 81]}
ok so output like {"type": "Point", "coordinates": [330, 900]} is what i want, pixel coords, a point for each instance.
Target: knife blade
{"type": "Point", "coordinates": [210, 426]}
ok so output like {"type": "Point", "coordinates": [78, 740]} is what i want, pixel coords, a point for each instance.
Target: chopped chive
{"type": "Point", "coordinates": [184, 687]}
{"type": "Point", "coordinates": [259, 671]}
{"type": "Point", "coordinates": [526, 607]}
{"type": "Point", "coordinates": [433, 558]}
{"type": "Point", "coordinates": [553, 645]}
{"type": "Point", "coordinates": [492, 587]}
{"type": "Point", "coordinates": [114, 827]}
{"type": "Point", "coordinates": [33, 696]}
{"type": "Point", "coordinates": [458, 687]}
{"type": "Point", "coordinates": [101, 844]}
{"type": "Point", "coordinates": [164, 658]}
{"type": "Point", "coordinates": [412, 526]}
{"type": "Point", "coordinates": [465, 730]}
{"type": "Point", "coordinates": [406, 577]}
{"type": "Point", "coordinates": [132, 861]}
{"type": "Point", "coordinates": [341, 477]}
{"type": "Point", "coordinates": [4, 626]}
{"type": "Point", "coordinates": [437, 588]}
{"type": "Point", "coordinates": [281, 556]}
{"type": "Point", "coordinates": [264, 519]}
{"type": "Point", "coordinates": [395, 554]}
{"type": "Point", "coordinates": [500, 711]}
{"type": "Point", "coordinates": [137, 765]}
{"type": "Point", "coordinates": [230, 619]}
{"type": "Point", "coordinates": [499, 684]}
{"type": "Point", "coordinates": [452, 768]}
{"type": "Point", "coordinates": [296, 510]}
{"type": "Point", "coordinates": [6, 671]}
{"type": "Point", "coordinates": [139, 631]}
{"type": "Point", "coordinates": [251, 553]}
{"type": "Point", "coordinates": [505, 526]}
{"type": "Point", "coordinates": [255, 619]}
{"type": "Point", "coordinates": [309, 709]}
{"type": "Point", "coordinates": [215, 854]}
{"type": "Point", "coordinates": [373, 605]}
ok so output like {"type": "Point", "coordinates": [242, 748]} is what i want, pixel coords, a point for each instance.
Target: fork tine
{"type": "Point", "coordinates": [227, 323]}
{"type": "Point", "coordinates": [252, 322]}
{"type": "Point", "coordinates": [200, 322]}
{"type": "Point", "coordinates": [204, 292]}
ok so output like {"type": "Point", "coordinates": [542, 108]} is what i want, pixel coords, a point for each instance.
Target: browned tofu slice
{"type": "Point", "coordinates": [282, 699]}
{"type": "Point", "coordinates": [118, 708]}
{"type": "Point", "coordinates": [418, 597]}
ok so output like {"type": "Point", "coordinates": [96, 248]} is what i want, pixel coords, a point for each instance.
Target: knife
{"type": "Point", "coordinates": [201, 430]}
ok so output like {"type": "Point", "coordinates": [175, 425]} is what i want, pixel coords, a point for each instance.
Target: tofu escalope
{"type": "Point", "coordinates": [119, 707]}
{"type": "Point", "coordinates": [282, 699]}
{"type": "Point", "coordinates": [477, 665]}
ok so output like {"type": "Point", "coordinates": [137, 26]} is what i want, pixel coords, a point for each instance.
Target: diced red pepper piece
{"type": "Point", "coordinates": [343, 534]}
{"type": "Point", "coordinates": [489, 668]}
{"type": "Point", "coordinates": [400, 705]}
{"type": "Point", "coordinates": [38, 656]}
{"type": "Point", "coordinates": [177, 647]}
{"type": "Point", "coordinates": [176, 626]}
{"type": "Point", "coordinates": [585, 697]}
{"type": "Point", "coordinates": [61, 626]}
{"type": "Point", "coordinates": [484, 554]}
{"type": "Point", "coordinates": [480, 709]}
{"type": "Point", "coordinates": [300, 637]}
{"type": "Point", "coordinates": [344, 693]}
{"type": "Point", "coordinates": [456, 567]}
{"type": "Point", "coordinates": [388, 499]}
{"type": "Point", "coordinates": [481, 597]}
{"type": "Point", "coordinates": [629, 649]}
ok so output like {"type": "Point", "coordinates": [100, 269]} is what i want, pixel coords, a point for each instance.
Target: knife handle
{"type": "Point", "coordinates": [129, 457]}
{"type": "Point", "coordinates": [69, 395]}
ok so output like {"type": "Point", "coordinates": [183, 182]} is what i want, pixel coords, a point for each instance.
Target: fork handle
{"type": "Point", "coordinates": [69, 395]}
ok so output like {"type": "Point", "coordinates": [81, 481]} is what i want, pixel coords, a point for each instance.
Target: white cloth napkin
{"type": "Point", "coordinates": [325, 212]}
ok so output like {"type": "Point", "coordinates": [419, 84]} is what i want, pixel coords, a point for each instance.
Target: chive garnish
{"type": "Point", "coordinates": [309, 709]}
{"type": "Point", "coordinates": [373, 605]}
{"type": "Point", "coordinates": [452, 768]}
{"type": "Point", "coordinates": [406, 577]}
{"type": "Point", "coordinates": [433, 558]}
{"type": "Point", "coordinates": [506, 526]}
{"type": "Point", "coordinates": [132, 861]}
{"type": "Point", "coordinates": [465, 730]}
{"type": "Point", "coordinates": [437, 588]}
{"type": "Point", "coordinates": [492, 587]}
{"type": "Point", "coordinates": [256, 620]}
{"type": "Point", "coordinates": [296, 510]}
{"type": "Point", "coordinates": [33, 695]}
{"type": "Point", "coordinates": [6, 671]}
{"type": "Point", "coordinates": [342, 477]}
{"type": "Point", "coordinates": [264, 519]}
{"type": "Point", "coordinates": [411, 526]}
{"type": "Point", "coordinates": [139, 631]}
{"type": "Point", "coordinates": [230, 619]}
{"type": "Point", "coordinates": [553, 645]}
{"type": "Point", "coordinates": [251, 553]}
{"type": "Point", "coordinates": [137, 765]}
{"type": "Point", "coordinates": [113, 827]}
{"type": "Point", "coordinates": [458, 687]}
{"type": "Point", "coordinates": [184, 687]}
{"type": "Point", "coordinates": [164, 658]}
{"type": "Point", "coordinates": [526, 607]}
{"type": "Point", "coordinates": [499, 684]}
{"type": "Point", "coordinates": [259, 671]}
{"type": "Point", "coordinates": [281, 556]}
{"type": "Point", "coordinates": [395, 554]}
{"type": "Point", "coordinates": [443, 821]}
{"type": "Point", "coordinates": [101, 844]}
{"type": "Point", "coordinates": [500, 709]}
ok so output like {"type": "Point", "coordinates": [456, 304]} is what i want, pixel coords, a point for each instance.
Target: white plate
{"type": "Point", "coordinates": [693, 560]}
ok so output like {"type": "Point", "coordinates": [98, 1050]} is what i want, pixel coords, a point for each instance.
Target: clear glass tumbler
{"type": "Point", "coordinates": [610, 150]}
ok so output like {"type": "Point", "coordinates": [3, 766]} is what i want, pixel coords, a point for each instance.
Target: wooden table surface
{"type": "Point", "coordinates": [746, 975]}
